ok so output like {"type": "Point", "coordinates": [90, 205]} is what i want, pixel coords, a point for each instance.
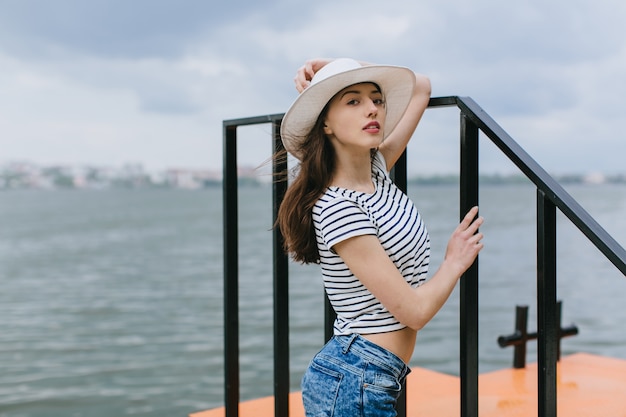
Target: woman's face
{"type": "Point", "coordinates": [356, 118]}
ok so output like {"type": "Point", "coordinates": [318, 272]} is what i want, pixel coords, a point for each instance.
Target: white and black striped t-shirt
{"type": "Point", "coordinates": [387, 213]}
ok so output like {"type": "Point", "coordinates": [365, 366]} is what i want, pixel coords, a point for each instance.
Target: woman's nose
{"type": "Point", "coordinates": [372, 108]}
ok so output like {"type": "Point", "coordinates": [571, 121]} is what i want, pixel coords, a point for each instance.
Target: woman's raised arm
{"type": "Point", "coordinates": [396, 142]}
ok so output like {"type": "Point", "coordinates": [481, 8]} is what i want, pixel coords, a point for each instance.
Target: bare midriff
{"type": "Point", "coordinates": [401, 342]}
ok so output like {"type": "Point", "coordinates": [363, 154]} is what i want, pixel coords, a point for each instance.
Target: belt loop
{"type": "Point", "coordinates": [351, 340]}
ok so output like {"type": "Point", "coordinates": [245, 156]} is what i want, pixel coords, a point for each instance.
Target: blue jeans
{"type": "Point", "coordinates": [352, 376]}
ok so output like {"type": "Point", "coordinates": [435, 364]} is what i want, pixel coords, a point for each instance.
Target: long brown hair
{"type": "Point", "coordinates": [312, 177]}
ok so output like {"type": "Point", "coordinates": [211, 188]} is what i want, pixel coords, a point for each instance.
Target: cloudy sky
{"type": "Point", "coordinates": [108, 82]}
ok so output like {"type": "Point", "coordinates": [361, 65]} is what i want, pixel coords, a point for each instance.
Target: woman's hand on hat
{"type": "Point", "coordinates": [305, 73]}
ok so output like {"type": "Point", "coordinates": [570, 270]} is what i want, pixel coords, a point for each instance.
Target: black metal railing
{"type": "Point", "coordinates": [550, 197]}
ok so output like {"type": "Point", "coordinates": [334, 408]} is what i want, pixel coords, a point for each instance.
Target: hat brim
{"type": "Point", "coordinates": [396, 84]}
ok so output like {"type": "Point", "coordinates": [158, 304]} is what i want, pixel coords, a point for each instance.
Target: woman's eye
{"type": "Point", "coordinates": [379, 101]}
{"type": "Point", "coordinates": [353, 102]}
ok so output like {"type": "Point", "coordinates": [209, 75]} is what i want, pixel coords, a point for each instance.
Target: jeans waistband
{"type": "Point", "coordinates": [382, 357]}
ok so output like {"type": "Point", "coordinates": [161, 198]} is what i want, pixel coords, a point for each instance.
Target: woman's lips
{"type": "Point", "coordinates": [372, 127]}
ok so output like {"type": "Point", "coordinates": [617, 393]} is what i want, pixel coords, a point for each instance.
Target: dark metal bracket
{"type": "Point", "coordinates": [519, 338]}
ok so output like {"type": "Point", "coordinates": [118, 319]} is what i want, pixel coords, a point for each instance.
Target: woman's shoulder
{"type": "Point", "coordinates": [379, 165]}
{"type": "Point", "coordinates": [330, 196]}
{"type": "Point", "coordinates": [334, 197]}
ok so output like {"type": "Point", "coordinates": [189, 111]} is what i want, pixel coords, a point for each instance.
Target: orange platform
{"type": "Point", "coordinates": [587, 386]}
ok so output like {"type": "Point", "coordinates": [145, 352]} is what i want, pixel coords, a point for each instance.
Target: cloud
{"type": "Point", "coordinates": [152, 81]}
{"type": "Point", "coordinates": [113, 28]}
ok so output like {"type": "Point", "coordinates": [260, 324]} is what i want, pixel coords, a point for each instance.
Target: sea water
{"type": "Point", "coordinates": [111, 300]}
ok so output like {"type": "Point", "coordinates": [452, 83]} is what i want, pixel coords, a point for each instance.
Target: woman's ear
{"type": "Point", "coordinates": [327, 130]}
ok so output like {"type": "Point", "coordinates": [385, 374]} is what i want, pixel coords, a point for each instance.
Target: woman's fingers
{"type": "Point", "coordinates": [305, 73]}
{"type": "Point", "coordinates": [301, 79]}
{"type": "Point", "coordinates": [471, 222]}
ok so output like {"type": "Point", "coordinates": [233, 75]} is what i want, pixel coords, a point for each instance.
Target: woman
{"type": "Point", "coordinates": [348, 127]}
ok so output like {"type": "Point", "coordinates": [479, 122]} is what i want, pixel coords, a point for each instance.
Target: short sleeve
{"type": "Point", "coordinates": [339, 219]}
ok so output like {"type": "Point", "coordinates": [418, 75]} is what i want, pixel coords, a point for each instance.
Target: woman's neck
{"type": "Point", "coordinates": [354, 173]}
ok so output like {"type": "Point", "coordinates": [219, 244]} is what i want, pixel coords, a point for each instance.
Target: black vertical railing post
{"type": "Point", "coordinates": [547, 326]}
{"type": "Point", "coordinates": [231, 273]}
{"type": "Point", "coordinates": [399, 173]}
{"type": "Point", "coordinates": [329, 319]}
{"type": "Point", "coordinates": [399, 176]}
{"type": "Point", "coordinates": [469, 281]}
{"type": "Point", "coordinates": [562, 332]}
{"type": "Point", "coordinates": [281, 285]}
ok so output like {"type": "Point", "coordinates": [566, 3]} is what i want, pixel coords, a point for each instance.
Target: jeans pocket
{"type": "Point", "coordinates": [383, 382]}
{"type": "Point", "coordinates": [380, 393]}
{"type": "Point", "coordinates": [320, 386]}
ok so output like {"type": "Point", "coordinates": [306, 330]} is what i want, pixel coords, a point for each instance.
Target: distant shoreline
{"type": "Point", "coordinates": [143, 182]}
{"type": "Point", "coordinates": [24, 175]}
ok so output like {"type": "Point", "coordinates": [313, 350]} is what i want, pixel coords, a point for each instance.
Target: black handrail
{"type": "Point", "coordinates": [550, 196]}
{"type": "Point", "coordinates": [552, 190]}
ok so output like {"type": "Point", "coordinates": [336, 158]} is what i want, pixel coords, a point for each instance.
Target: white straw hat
{"type": "Point", "coordinates": [396, 84]}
